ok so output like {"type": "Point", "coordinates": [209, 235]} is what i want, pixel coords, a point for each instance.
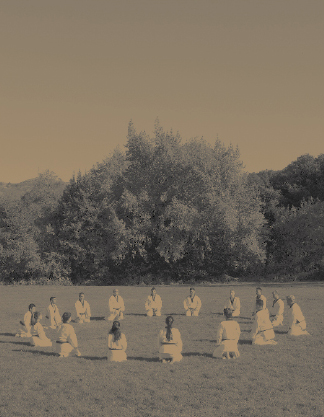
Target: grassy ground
{"type": "Point", "coordinates": [282, 380]}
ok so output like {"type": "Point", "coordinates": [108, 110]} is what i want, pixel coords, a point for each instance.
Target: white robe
{"type": "Point", "coordinates": [117, 350]}
{"type": "Point", "coordinates": [153, 307]}
{"type": "Point", "coordinates": [234, 305]}
{"type": "Point", "coordinates": [116, 308]}
{"type": "Point", "coordinates": [192, 307]}
{"type": "Point", "coordinates": [27, 329]}
{"type": "Point", "coordinates": [53, 315]}
{"type": "Point", "coordinates": [40, 339]}
{"type": "Point", "coordinates": [67, 340]}
{"type": "Point", "coordinates": [83, 311]}
{"type": "Point", "coordinates": [262, 330]}
{"type": "Point", "coordinates": [170, 349]}
{"type": "Point", "coordinates": [277, 311]}
{"type": "Point", "coordinates": [228, 334]}
{"type": "Point", "coordinates": [296, 321]}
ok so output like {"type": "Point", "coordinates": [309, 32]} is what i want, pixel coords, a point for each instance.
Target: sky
{"type": "Point", "coordinates": [73, 73]}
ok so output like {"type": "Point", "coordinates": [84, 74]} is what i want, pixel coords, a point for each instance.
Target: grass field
{"type": "Point", "coordinates": [282, 380]}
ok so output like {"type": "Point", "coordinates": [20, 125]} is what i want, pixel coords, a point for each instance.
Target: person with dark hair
{"type": "Point", "coordinates": [53, 314]}
{"type": "Point", "coordinates": [296, 319]}
{"type": "Point", "coordinates": [116, 306]}
{"type": "Point", "coordinates": [40, 339]}
{"type": "Point", "coordinates": [259, 296]}
{"type": "Point", "coordinates": [82, 308]}
{"type": "Point", "coordinates": [117, 344]}
{"type": "Point", "coordinates": [192, 304]}
{"type": "Point", "coordinates": [233, 304]}
{"type": "Point", "coordinates": [67, 339]}
{"type": "Point", "coordinates": [170, 343]}
{"type": "Point", "coordinates": [277, 310]}
{"type": "Point", "coordinates": [228, 334]}
{"type": "Point", "coordinates": [153, 304]}
{"type": "Point", "coordinates": [28, 322]}
{"type": "Point", "coordinates": [262, 330]}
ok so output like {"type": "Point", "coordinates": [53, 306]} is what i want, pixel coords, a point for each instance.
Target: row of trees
{"type": "Point", "coordinates": [167, 210]}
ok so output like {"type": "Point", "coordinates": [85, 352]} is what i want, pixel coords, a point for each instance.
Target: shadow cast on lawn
{"type": "Point", "coordinates": [97, 318]}
{"type": "Point", "coordinates": [281, 331]}
{"type": "Point", "coordinates": [140, 358]}
{"type": "Point", "coordinates": [7, 334]}
{"type": "Point", "coordinates": [206, 355]}
{"type": "Point", "coordinates": [244, 342]}
{"type": "Point", "coordinates": [38, 352]}
{"type": "Point", "coordinates": [94, 358]}
{"type": "Point", "coordinates": [16, 343]}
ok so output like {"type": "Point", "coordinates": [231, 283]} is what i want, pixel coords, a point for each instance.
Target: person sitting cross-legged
{"type": "Point", "coordinates": [67, 340]}
{"type": "Point", "coordinates": [228, 334]}
{"type": "Point", "coordinates": [153, 304]}
{"type": "Point", "coordinates": [117, 344]}
{"type": "Point", "coordinates": [262, 330]}
{"type": "Point", "coordinates": [296, 319]}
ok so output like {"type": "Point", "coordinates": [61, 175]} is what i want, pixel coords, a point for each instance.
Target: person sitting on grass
{"type": "Point", "coordinates": [262, 331]}
{"type": "Point", "coordinates": [53, 314]}
{"type": "Point", "coordinates": [170, 343]}
{"type": "Point", "coordinates": [116, 306]}
{"type": "Point", "coordinates": [153, 304]}
{"type": "Point", "coordinates": [259, 296]}
{"type": "Point", "coordinates": [28, 322]}
{"type": "Point", "coordinates": [277, 310]}
{"type": "Point", "coordinates": [40, 339]}
{"type": "Point", "coordinates": [296, 319]}
{"type": "Point", "coordinates": [82, 308]}
{"type": "Point", "coordinates": [67, 339]}
{"type": "Point", "coordinates": [192, 304]}
{"type": "Point", "coordinates": [233, 304]}
{"type": "Point", "coordinates": [117, 344]}
{"type": "Point", "coordinates": [228, 335]}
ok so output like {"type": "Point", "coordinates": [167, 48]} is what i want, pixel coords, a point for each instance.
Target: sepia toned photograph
{"type": "Point", "coordinates": [161, 208]}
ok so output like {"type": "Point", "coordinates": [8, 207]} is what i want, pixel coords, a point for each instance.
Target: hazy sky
{"type": "Point", "coordinates": [74, 73]}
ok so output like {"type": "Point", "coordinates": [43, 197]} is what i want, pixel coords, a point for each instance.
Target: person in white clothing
{"type": "Point", "coordinates": [53, 314]}
{"type": "Point", "coordinates": [83, 311]}
{"type": "Point", "coordinates": [153, 304]}
{"type": "Point", "coordinates": [259, 296]}
{"type": "Point", "coordinates": [192, 304]}
{"type": "Point", "coordinates": [296, 319]}
{"type": "Point", "coordinates": [228, 334]}
{"type": "Point", "coordinates": [67, 340]}
{"type": "Point", "coordinates": [170, 343]}
{"type": "Point", "coordinates": [262, 331]}
{"type": "Point", "coordinates": [116, 306]}
{"type": "Point", "coordinates": [233, 304]}
{"type": "Point", "coordinates": [40, 339]}
{"type": "Point", "coordinates": [117, 344]}
{"type": "Point", "coordinates": [28, 322]}
{"type": "Point", "coordinates": [277, 310]}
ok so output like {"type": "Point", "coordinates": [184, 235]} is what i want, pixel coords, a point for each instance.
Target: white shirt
{"type": "Point", "coordinates": [153, 304]}
{"type": "Point", "coordinates": [116, 303]}
{"type": "Point", "coordinates": [192, 304]}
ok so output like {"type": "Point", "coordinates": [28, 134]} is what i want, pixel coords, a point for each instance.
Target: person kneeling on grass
{"type": "Point", "coordinates": [296, 319]}
{"type": "Point", "coordinates": [170, 343]}
{"type": "Point", "coordinates": [262, 329]}
{"type": "Point", "coordinates": [192, 303]}
{"type": "Point", "coordinates": [40, 339]}
{"type": "Point", "coordinates": [228, 334]}
{"type": "Point", "coordinates": [277, 310]}
{"type": "Point", "coordinates": [28, 322]}
{"type": "Point", "coordinates": [67, 339]}
{"type": "Point", "coordinates": [117, 344]}
{"type": "Point", "coordinates": [82, 309]}
{"type": "Point", "coordinates": [153, 304]}
{"type": "Point", "coordinates": [53, 314]}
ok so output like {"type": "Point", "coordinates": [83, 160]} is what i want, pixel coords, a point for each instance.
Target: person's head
{"type": "Point", "coordinates": [258, 291]}
{"type": "Point", "coordinates": [275, 294]}
{"type": "Point", "coordinates": [53, 300]}
{"type": "Point", "coordinates": [169, 322]}
{"type": "Point", "coordinates": [290, 300]}
{"type": "Point", "coordinates": [228, 313]}
{"type": "Point", "coordinates": [81, 296]}
{"type": "Point", "coordinates": [259, 304]}
{"type": "Point", "coordinates": [115, 330]}
{"type": "Point", "coordinates": [66, 318]}
{"type": "Point", "coordinates": [192, 292]}
{"type": "Point", "coordinates": [232, 294]}
{"type": "Point", "coordinates": [37, 316]}
{"type": "Point", "coordinates": [153, 291]}
{"type": "Point", "coordinates": [115, 292]}
{"type": "Point", "coordinates": [32, 308]}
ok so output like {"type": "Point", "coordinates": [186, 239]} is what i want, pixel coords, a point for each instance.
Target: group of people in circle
{"type": "Point", "coordinates": [169, 338]}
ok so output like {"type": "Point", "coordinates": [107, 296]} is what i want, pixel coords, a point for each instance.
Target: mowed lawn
{"type": "Point", "coordinates": [282, 380]}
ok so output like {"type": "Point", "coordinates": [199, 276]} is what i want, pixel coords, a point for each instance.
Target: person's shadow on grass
{"type": "Point", "coordinates": [16, 343]}
{"type": "Point", "coordinates": [244, 342]}
{"type": "Point", "coordinates": [38, 352]}
{"type": "Point", "coordinates": [206, 355]}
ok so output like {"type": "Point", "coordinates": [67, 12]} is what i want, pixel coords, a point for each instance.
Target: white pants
{"type": "Point", "coordinates": [36, 341]}
{"type": "Point", "coordinates": [116, 355]}
{"type": "Point", "coordinates": [153, 312]}
{"type": "Point", "coordinates": [298, 329]}
{"type": "Point", "coordinates": [227, 347]}
{"type": "Point", "coordinates": [115, 315]}
{"type": "Point", "coordinates": [190, 312]}
{"type": "Point", "coordinates": [265, 338]}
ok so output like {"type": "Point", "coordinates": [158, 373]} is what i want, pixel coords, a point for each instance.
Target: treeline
{"type": "Point", "coordinates": [165, 211]}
